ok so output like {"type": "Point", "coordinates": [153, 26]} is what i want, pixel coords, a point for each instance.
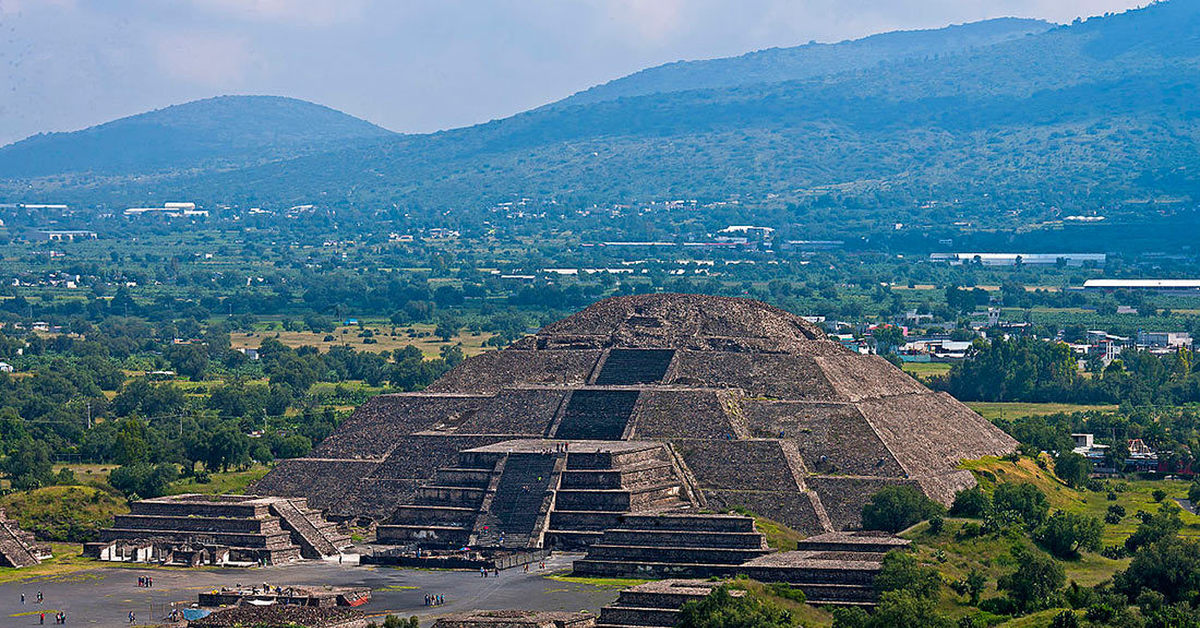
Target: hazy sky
{"type": "Point", "coordinates": [408, 65]}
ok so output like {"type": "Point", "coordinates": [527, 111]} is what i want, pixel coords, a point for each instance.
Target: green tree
{"type": "Point", "coordinates": [901, 608]}
{"type": "Point", "coordinates": [1073, 468]}
{"type": "Point", "coordinates": [447, 328]}
{"type": "Point", "coordinates": [1170, 567]}
{"type": "Point", "coordinates": [902, 572]}
{"type": "Point", "coordinates": [1164, 524]}
{"type": "Point", "coordinates": [720, 609]}
{"type": "Point", "coordinates": [1035, 583]}
{"type": "Point", "coordinates": [27, 464]}
{"type": "Point", "coordinates": [1024, 503]}
{"type": "Point", "coordinates": [895, 508]}
{"type": "Point", "coordinates": [1065, 534]}
{"type": "Point", "coordinates": [970, 502]}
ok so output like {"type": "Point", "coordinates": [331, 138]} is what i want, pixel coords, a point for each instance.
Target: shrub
{"type": "Point", "coordinates": [971, 502]}
{"type": "Point", "coordinates": [1021, 502]}
{"type": "Point", "coordinates": [902, 572]}
{"type": "Point", "coordinates": [719, 609]}
{"type": "Point", "coordinates": [1073, 469]}
{"type": "Point", "coordinates": [898, 507]}
{"type": "Point", "coordinates": [1065, 534]}
{"type": "Point", "coordinates": [1035, 583]}
{"type": "Point", "coordinates": [1168, 568]}
{"type": "Point", "coordinates": [1156, 527]}
{"type": "Point", "coordinates": [1065, 619]}
{"type": "Point", "coordinates": [1158, 494]}
{"type": "Point", "coordinates": [1115, 514]}
{"type": "Point", "coordinates": [936, 524]}
{"type": "Point", "coordinates": [143, 480]}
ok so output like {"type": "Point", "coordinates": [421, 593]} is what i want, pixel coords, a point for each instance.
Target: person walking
{"type": "Point", "coordinates": [22, 598]}
{"type": "Point", "coordinates": [42, 618]}
{"type": "Point", "coordinates": [132, 617]}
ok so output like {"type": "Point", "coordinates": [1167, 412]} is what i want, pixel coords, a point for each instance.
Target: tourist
{"type": "Point", "coordinates": [42, 618]}
{"type": "Point", "coordinates": [39, 597]}
{"type": "Point", "coordinates": [22, 598]}
{"type": "Point", "coordinates": [132, 617]}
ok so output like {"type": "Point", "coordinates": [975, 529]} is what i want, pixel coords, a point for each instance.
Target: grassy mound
{"type": "Point", "coordinates": [64, 513]}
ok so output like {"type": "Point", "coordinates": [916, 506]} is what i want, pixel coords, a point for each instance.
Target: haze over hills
{"type": "Point", "coordinates": [1091, 116]}
{"type": "Point", "coordinates": [215, 132]}
{"type": "Point", "coordinates": [777, 65]}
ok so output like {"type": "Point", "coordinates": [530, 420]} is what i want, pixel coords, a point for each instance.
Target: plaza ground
{"type": "Point", "coordinates": [104, 596]}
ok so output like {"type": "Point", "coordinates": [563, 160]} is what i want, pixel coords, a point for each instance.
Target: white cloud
{"type": "Point", "coordinates": [213, 60]}
{"type": "Point", "coordinates": [305, 12]}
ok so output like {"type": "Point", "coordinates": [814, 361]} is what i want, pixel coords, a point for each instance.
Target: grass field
{"type": "Point", "coordinates": [417, 335]}
{"type": "Point", "coordinates": [221, 483]}
{"type": "Point", "coordinates": [925, 370]}
{"type": "Point", "coordinates": [1010, 410]}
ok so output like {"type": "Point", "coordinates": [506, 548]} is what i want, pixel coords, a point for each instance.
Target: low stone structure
{"type": "Point", "coordinates": [835, 568]}
{"type": "Point", "coordinates": [196, 530]}
{"type": "Point", "coordinates": [282, 616]}
{"type": "Point", "coordinates": [292, 595]}
{"type": "Point", "coordinates": [17, 547]}
{"type": "Point", "coordinates": [517, 619]}
{"type": "Point", "coordinates": [655, 604]}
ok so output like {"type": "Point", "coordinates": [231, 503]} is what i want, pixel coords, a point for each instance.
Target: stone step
{"type": "Point", "coordinates": [431, 535]}
{"type": "Point", "coordinates": [417, 514]}
{"type": "Point", "coordinates": [571, 540]}
{"type": "Point", "coordinates": [634, 616]}
{"type": "Point", "coordinates": [643, 474]}
{"type": "Point", "coordinates": [651, 570]}
{"type": "Point", "coordinates": [683, 538]}
{"type": "Point", "coordinates": [656, 554]}
{"type": "Point", "coordinates": [617, 499]}
{"type": "Point", "coordinates": [448, 495]}
{"type": "Point", "coordinates": [688, 522]}
{"type": "Point", "coordinates": [597, 520]}
{"type": "Point", "coordinates": [613, 460]}
{"type": "Point", "coordinates": [251, 541]}
{"type": "Point", "coordinates": [838, 593]}
{"type": "Point", "coordinates": [456, 476]}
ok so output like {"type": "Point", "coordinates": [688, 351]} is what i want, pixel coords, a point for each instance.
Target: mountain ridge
{"type": "Point", "coordinates": [1074, 119]}
{"type": "Point", "coordinates": [228, 128]}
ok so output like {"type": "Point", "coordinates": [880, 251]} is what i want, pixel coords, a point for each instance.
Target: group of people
{"type": "Point", "coordinates": [59, 618]}
{"type": "Point", "coordinates": [434, 600]}
{"type": "Point", "coordinates": [483, 571]}
{"type": "Point", "coordinates": [145, 582]}
{"type": "Point", "coordinates": [38, 599]}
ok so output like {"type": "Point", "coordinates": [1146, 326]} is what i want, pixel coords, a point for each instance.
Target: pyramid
{"type": "Point", "coordinates": [759, 409]}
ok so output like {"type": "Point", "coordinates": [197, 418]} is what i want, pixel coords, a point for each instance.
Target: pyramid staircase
{"type": "Point", "coordinates": [316, 536]}
{"type": "Point", "coordinates": [529, 494]}
{"type": "Point", "coordinates": [598, 487]}
{"type": "Point", "coordinates": [17, 547]}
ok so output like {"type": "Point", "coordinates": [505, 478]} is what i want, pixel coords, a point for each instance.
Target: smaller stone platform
{"type": "Point", "coordinates": [287, 595]}
{"type": "Point", "coordinates": [655, 604]}
{"type": "Point", "coordinates": [282, 615]}
{"type": "Point", "coordinates": [517, 619]}
{"type": "Point", "coordinates": [192, 530]}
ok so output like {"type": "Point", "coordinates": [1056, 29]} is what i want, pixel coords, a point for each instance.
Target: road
{"type": "Point", "coordinates": [104, 596]}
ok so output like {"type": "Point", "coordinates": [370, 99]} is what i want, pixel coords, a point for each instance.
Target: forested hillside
{"type": "Point", "coordinates": [777, 65]}
{"type": "Point", "coordinates": [215, 132]}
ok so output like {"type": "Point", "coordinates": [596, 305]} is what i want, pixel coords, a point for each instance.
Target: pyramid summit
{"type": "Point", "coordinates": [664, 402]}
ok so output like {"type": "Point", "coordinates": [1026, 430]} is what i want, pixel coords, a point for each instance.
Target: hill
{"type": "Point", "coordinates": [1095, 116]}
{"type": "Point", "coordinates": [222, 131]}
{"type": "Point", "coordinates": [777, 65]}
